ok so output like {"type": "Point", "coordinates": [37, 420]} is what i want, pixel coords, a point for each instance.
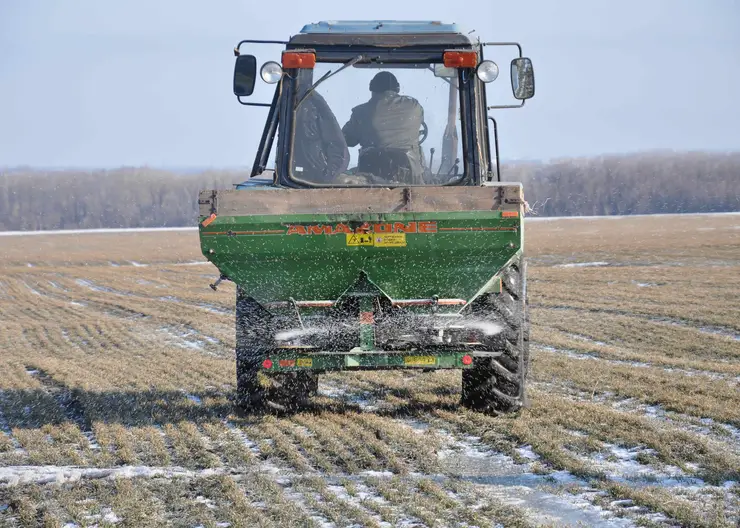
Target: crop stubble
{"type": "Point", "coordinates": [116, 354]}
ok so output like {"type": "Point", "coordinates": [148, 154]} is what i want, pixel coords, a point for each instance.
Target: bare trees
{"type": "Point", "coordinates": [655, 182]}
{"type": "Point", "coordinates": [127, 197]}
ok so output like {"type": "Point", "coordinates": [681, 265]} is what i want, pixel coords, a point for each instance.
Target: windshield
{"type": "Point", "coordinates": [395, 125]}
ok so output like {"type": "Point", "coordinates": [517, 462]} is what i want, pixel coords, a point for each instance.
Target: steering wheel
{"type": "Point", "coordinates": [423, 133]}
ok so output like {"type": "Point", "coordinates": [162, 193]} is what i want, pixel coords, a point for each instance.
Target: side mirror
{"type": "Point", "coordinates": [522, 78]}
{"type": "Point", "coordinates": [245, 74]}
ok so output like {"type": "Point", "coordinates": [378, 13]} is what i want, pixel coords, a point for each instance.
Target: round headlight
{"type": "Point", "coordinates": [271, 72]}
{"type": "Point", "coordinates": [487, 71]}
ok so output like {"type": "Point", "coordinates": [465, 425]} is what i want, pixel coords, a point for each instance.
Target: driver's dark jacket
{"type": "Point", "coordinates": [319, 151]}
{"type": "Point", "coordinates": [387, 120]}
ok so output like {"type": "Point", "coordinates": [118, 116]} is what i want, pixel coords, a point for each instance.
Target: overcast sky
{"type": "Point", "coordinates": [102, 84]}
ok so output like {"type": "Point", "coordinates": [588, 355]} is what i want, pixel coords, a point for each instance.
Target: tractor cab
{"type": "Point", "coordinates": [378, 104]}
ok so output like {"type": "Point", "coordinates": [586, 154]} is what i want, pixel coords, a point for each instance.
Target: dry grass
{"type": "Point", "coordinates": [109, 366]}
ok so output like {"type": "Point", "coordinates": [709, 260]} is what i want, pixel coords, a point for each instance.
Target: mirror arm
{"type": "Point", "coordinates": [239, 98]}
{"type": "Point", "coordinates": [506, 106]}
{"type": "Point", "coordinates": [237, 50]}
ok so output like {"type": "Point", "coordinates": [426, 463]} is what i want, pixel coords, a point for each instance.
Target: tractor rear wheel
{"type": "Point", "coordinates": [257, 390]}
{"type": "Point", "coordinates": [497, 384]}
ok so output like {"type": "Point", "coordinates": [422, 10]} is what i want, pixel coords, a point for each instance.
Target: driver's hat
{"type": "Point", "coordinates": [384, 81]}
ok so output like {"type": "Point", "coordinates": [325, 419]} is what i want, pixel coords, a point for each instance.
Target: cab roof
{"type": "Point", "coordinates": [383, 33]}
{"type": "Point", "coordinates": [379, 27]}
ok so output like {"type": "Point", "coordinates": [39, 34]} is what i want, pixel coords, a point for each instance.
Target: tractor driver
{"type": "Point", "coordinates": [388, 121]}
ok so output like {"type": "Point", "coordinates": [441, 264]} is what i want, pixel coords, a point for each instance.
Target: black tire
{"type": "Point", "coordinates": [257, 390]}
{"type": "Point", "coordinates": [498, 384]}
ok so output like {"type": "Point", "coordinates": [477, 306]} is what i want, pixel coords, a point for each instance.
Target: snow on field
{"type": "Point", "coordinates": [187, 337]}
{"type": "Point", "coordinates": [582, 265]}
{"type": "Point", "coordinates": [35, 292]}
{"type": "Point", "coordinates": [193, 263]}
{"type": "Point", "coordinates": [15, 475]}
{"type": "Point", "coordinates": [582, 355]}
{"type": "Point", "coordinates": [714, 330]}
{"type": "Point", "coordinates": [363, 400]}
{"type": "Point", "coordinates": [96, 288]}
{"type": "Point", "coordinates": [94, 231]}
{"type": "Point", "coordinates": [497, 475]}
{"type": "Point", "coordinates": [622, 464]}
{"type": "Point", "coordinates": [621, 217]}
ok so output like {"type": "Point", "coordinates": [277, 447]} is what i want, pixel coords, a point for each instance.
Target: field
{"type": "Point", "coordinates": [117, 374]}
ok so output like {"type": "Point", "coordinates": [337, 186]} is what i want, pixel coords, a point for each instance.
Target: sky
{"type": "Point", "coordinates": [85, 83]}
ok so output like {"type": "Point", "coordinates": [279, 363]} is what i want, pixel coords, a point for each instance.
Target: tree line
{"type": "Point", "coordinates": [656, 182]}
{"type": "Point", "coordinates": [647, 183]}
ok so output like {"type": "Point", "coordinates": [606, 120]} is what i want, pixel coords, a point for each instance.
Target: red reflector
{"type": "Point", "coordinates": [267, 364]}
{"type": "Point", "coordinates": [467, 360]}
{"type": "Point", "coordinates": [207, 221]}
{"type": "Point", "coordinates": [299, 60]}
{"type": "Point", "coordinates": [366, 318]}
{"type": "Point", "coordinates": [460, 59]}
{"type": "Point", "coordinates": [510, 214]}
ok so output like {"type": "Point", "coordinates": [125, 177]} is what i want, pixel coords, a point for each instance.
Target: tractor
{"type": "Point", "coordinates": [393, 259]}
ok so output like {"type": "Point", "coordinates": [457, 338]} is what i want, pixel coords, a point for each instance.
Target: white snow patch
{"type": "Point", "coordinates": [578, 355]}
{"type": "Point", "coordinates": [620, 464]}
{"type": "Point", "coordinates": [200, 499]}
{"type": "Point", "coordinates": [215, 309]}
{"type": "Point", "coordinates": [138, 264]}
{"type": "Point", "coordinates": [15, 475]}
{"type": "Point", "coordinates": [101, 289]}
{"type": "Point", "coordinates": [94, 231]}
{"type": "Point", "coordinates": [714, 330]}
{"type": "Point", "coordinates": [35, 292]}
{"type": "Point", "coordinates": [110, 517]}
{"type": "Point", "coordinates": [622, 217]}
{"type": "Point", "coordinates": [195, 399]}
{"type": "Point", "coordinates": [527, 452]}
{"type": "Point", "coordinates": [29, 265]}
{"type": "Point", "coordinates": [246, 441]}
{"type": "Point", "coordinates": [56, 286]}
{"type": "Point", "coordinates": [194, 263]}
{"type": "Point", "coordinates": [587, 339]}
{"type": "Point", "coordinates": [361, 399]}
{"type": "Point", "coordinates": [582, 265]}
{"type": "Point", "coordinates": [496, 475]}
{"type": "Point", "coordinates": [708, 426]}
{"type": "Point", "coordinates": [187, 338]}
{"type": "Point", "coordinates": [376, 474]}
{"type": "Point", "coordinates": [91, 440]}
{"type": "Point", "coordinates": [645, 284]}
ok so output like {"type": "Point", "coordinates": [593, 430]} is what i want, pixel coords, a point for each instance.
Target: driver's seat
{"type": "Point", "coordinates": [390, 164]}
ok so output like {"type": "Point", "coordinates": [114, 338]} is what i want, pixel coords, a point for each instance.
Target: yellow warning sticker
{"type": "Point", "coordinates": [304, 362]}
{"type": "Point", "coordinates": [359, 239]}
{"type": "Point", "coordinates": [390, 239]}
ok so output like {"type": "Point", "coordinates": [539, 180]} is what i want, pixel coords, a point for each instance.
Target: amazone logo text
{"type": "Point", "coordinates": [390, 227]}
